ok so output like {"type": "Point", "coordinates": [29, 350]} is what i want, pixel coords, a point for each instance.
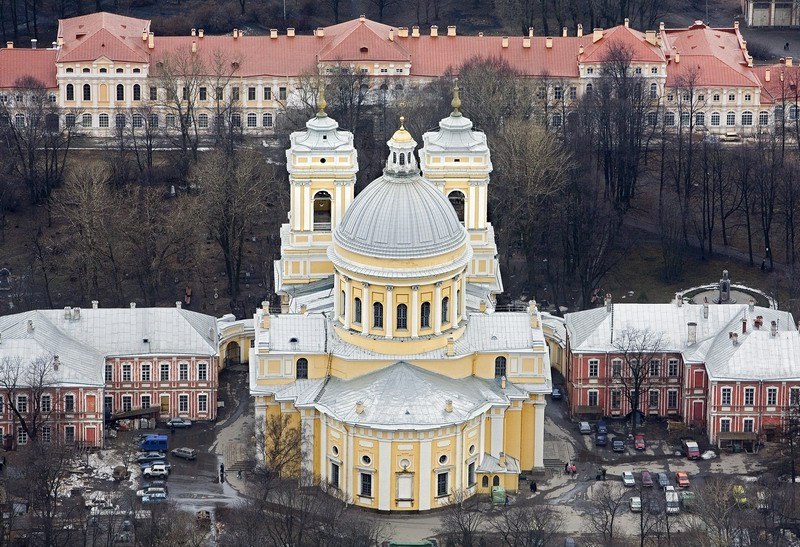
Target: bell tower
{"type": "Point", "coordinates": [457, 160]}
{"type": "Point", "coordinates": [322, 163]}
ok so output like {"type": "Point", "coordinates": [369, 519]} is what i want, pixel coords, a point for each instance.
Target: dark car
{"type": "Point", "coordinates": [654, 507]}
{"type": "Point", "coordinates": [601, 439]}
{"type": "Point", "coordinates": [647, 478]}
{"type": "Point", "coordinates": [602, 427]}
{"type": "Point", "coordinates": [185, 453]}
{"type": "Point", "coordinates": [618, 445]}
{"type": "Point", "coordinates": [663, 480]}
{"type": "Point", "coordinates": [556, 395]}
{"type": "Point", "coordinates": [179, 422]}
{"type": "Point", "coordinates": [144, 457]}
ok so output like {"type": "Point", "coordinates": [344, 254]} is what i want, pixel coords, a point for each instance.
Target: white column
{"type": "Point", "coordinates": [307, 465]}
{"type": "Point", "coordinates": [308, 209]}
{"type": "Point", "coordinates": [453, 302]}
{"type": "Point", "coordinates": [498, 419]}
{"type": "Point", "coordinates": [413, 313]}
{"type": "Point", "coordinates": [436, 308]}
{"type": "Point", "coordinates": [323, 450]}
{"type": "Point", "coordinates": [336, 206]}
{"type": "Point", "coordinates": [388, 311]}
{"type": "Point", "coordinates": [463, 304]}
{"type": "Point", "coordinates": [538, 438]}
{"type": "Point", "coordinates": [384, 475]}
{"type": "Point", "coordinates": [425, 475]}
{"type": "Point", "coordinates": [366, 308]}
{"type": "Point", "coordinates": [472, 203]}
{"type": "Point", "coordinates": [347, 303]}
{"type": "Point", "coordinates": [348, 466]}
{"type": "Point", "coordinates": [337, 297]}
{"type": "Point", "coordinates": [460, 467]}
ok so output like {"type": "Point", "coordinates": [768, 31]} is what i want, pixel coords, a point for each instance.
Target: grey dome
{"type": "Point", "coordinates": [455, 134]}
{"type": "Point", "coordinates": [400, 217]}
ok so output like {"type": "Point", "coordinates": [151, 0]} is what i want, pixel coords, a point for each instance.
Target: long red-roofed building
{"type": "Point", "coordinates": [103, 71]}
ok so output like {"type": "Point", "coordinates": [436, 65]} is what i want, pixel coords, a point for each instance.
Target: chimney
{"type": "Point", "coordinates": [533, 311]}
{"type": "Point", "coordinates": [734, 338]}
{"type": "Point", "coordinates": [30, 326]}
{"type": "Point", "coordinates": [627, 22]}
{"type": "Point", "coordinates": [178, 304]}
{"type": "Point", "coordinates": [133, 305]}
{"type": "Point", "coordinates": [434, 30]}
{"type": "Point", "coordinates": [56, 362]}
{"type": "Point", "coordinates": [505, 41]}
{"type": "Point", "coordinates": [360, 407]}
{"type": "Point", "coordinates": [743, 45]}
{"type": "Point", "coordinates": [76, 313]}
{"type": "Point", "coordinates": [67, 312]}
{"type": "Point", "coordinates": [448, 405]}
{"type": "Point", "coordinates": [677, 57]}
{"type": "Point", "coordinates": [451, 346]}
{"type": "Point", "coordinates": [95, 304]}
{"type": "Point", "coordinates": [265, 305]}
{"type": "Point", "coordinates": [564, 32]}
{"type": "Point", "coordinates": [273, 33]}
{"type": "Point", "coordinates": [482, 306]}
{"type": "Point", "coordinates": [151, 43]}
{"type": "Point", "coordinates": [415, 31]}
{"type": "Point", "coordinates": [451, 30]}
{"type": "Point", "coordinates": [144, 36]}
{"type": "Point", "coordinates": [736, 24]}
{"type": "Point", "coordinates": [773, 328]}
{"type": "Point", "coordinates": [303, 309]}
{"type": "Point", "coordinates": [194, 32]}
{"type": "Point", "coordinates": [580, 49]}
{"type": "Point", "coordinates": [678, 299]}
{"type": "Point", "coordinates": [788, 61]}
{"type": "Point", "coordinates": [235, 33]}
{"type": "Point", "coordinates": [265, 320]}
{"type": "Point", "coordinates": [650, 37]}
{"type": "Point", "coordinates": [530, 32]}
{"type": "Point", "coordinates": [691, 334]}
{"type": "Point", "coordinates": [362, 18]}
{"type": "Point", "coordinates": [597, 35]}
{"type": "Point", "coordinates": [10, 45]}
{"type": "Point", "coordinates": [758, 321]}
{"type": "Point", "coordinates": [290, 32]}
{"type": "Point", "coordinates": [391, 35]}
{"type": "Point", "coordinates": [402, 32]}
{"type": "Point", "coordinates": [34, 43]}
{"type": "Point", "coordinates": [502, 459]}
{"type": "Point", "coordinates": [503, 382]}
{"type": "Point", "coordinates": [526, 42]}
{"type": "Point", "coordinates": [548, 43]}
{"type": "Point", "coordinates": [744, 325]}
{"type": "Point", "coordinates": [751, 306]}
{"type": "Point", "coordinates": [194, 46]}
{"type": "Point", "coordinates": [705, 311]}
{"type": "Point", "coordinates": [661, 26]}
{"type": "Point", "coordinates": [201, 33]}
{"type": "Point", "coordinates": [607, 301]}
{"type": "Point", "coordinates": [766, 75]}
{"type": "Point", "coordinates": [580, 30]}
{"type": "Point", "coordinates": [320, 32]}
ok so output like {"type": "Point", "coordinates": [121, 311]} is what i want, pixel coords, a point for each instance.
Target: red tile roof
{"type": "Point", "coordinates": [358, 41]}
{"type": "Point", "coordinates": [633, 41]}
{"type": "Point", "coordinates": [17, 63]}
{"type": "Point", "coordinates": [783, 84]}
{"type": "Point", "coordinates": [90, 37]}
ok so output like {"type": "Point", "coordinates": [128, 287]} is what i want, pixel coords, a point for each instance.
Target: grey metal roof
{"type": "Point", "coordinates": [490, 464]}
{"type": "Point", "coordinates": [400, 217]}
{"type": "Point", "coordinates": [321, 134]}
{"type": "Point", "coordinates": [455, 135]}
{"type": "Point", "coordinates": [404, 396]}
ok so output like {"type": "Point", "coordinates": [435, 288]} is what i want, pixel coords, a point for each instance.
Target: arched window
{"type": "Point", "coordinates": [137, 120]}
{"type": "Point", "coordinates": [86, 70]}
{"type": "Point", "coordinates": [252, 120]}
{"type": "Point", "coordinates": [322, 211]}
{"type": "Point", "coordinates": [70, 71]}
{"type": "Point", "coordinates": [153, 119]}
{"type": "Point", "coordinates": [302, 369]}
{"type": "Point", "coordinates": [700, 119]}
{"type": "Point", "coordinates": [236, 120]}
{"type": "Point", "coordinates": [19, 120]}
{"type": "Point", "coordinates": [103, 120]}
{"type": "Point", "coordinates": [394, 157]}
{"type": "Point", "coordinates": [730, 119]}
{"type": "Point", "coordinates": [69, 120]}
{"type": "Point", "coordinates": [137, 92]}
{"type": "Point", "coordinates": [557, 120]}
{"type": "Point", "coordinates": [653, 91]}
{"type": "Point", "coordinates": [402, 159]}
{"type": "Point", "coordinates": [343, 303]}
{"type": "Point", "coordinates": [119, 71]}
{"type": "Point", "coordinates": [357, 311]}
{"type": "Point", "coordinates": [457, 200]}
{"type": "Point", "coordinates": [425, 318]}
{"type": "Point", "coordinates": [87, 92]}
{"type": "Point", "coordinates": [120, 92]}
{"type": "Point", "coordinates": [763, 118]}
{"type": "Point", "coordinates": [445, 309]}
{"type": "Point", "coordinates": [652, 119]}
{"type": "Point", "coordinates": [119, 121]}
{"type": "Point", "coordinates": [500, 367]}
{"type": "Point", "coordinates": [377, 315]}
{"type": "Point", "coordinates": [408, 157]}
{"type": "Point", "coordinates": [70, 92]}
{"type": "Point", "coordinates": [589, 88]}
{"type": "Point", "coordinates": [715, 118]}
{"type": "Point", "coordinates": [202, 121]}
{"type": "Point", "coordinates": [103, 71]}
{"type": "Point", "coordinates": [402, 316]}
{"type": "Point", "coordinates": [747, 118]}
{"type": "Point", "coordinates": [496, 481]}
{"type": "Point", "coordinates": [485, 481]}
{"type": "Point", "coordinates": [266, 120]}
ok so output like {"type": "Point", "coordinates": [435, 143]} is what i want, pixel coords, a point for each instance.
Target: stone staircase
{"type": "Point", "coordinates": [555, 464]}
{"type": "Point", "coordinates": [236, 457]}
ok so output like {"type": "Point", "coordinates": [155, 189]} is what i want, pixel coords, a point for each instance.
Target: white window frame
{"type": "Point", "coordinates": [749, 396]}
{"type": "Point", "coordinates": [594, 368]}
{"type": "Point", "coordinates": [183, 403]}
{"type": "Point", "coordinates": [725, 396]}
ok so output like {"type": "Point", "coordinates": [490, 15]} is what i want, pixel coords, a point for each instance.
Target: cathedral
{"type": "Point", "coordinates": [407, 385]}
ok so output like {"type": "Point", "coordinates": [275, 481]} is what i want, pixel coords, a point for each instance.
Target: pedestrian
{"type": "Point", "coordinates": [533, 487]}
{"type": "Point", "coordinates": [506, 500]}
{"type": "Point", "coordinates": [239, 474]}
{"type": "Point", "coordinates": [222, 472]}
{"type": "Point", "coordinates": [604, 473]}
{"type": "Point", "coordinates": [764, 265]}
{"type": "Point", "coordinates": [566, 468]}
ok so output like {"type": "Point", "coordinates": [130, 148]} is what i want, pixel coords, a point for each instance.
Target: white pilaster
{"type": "Point", "coordinates": [348, 466]}
{"type": "Point", "coordinates": [337, 297]}
{"type": "Point", "coordinates": [388, 311]}
{"type": "Point", "coordinates": [384, 475]}
{"type": "Point", "coordinates": [472, 203]}
{"type": "Point", "coordinates": [323, 450]}
{"type": "Point", "coordinates": [538, 437]}
{"type": "Point", "coordinates": [453, 303]}
{"type": "Point", "coordinates": [425, 475]}
{"type": "Point", "coordinates": [436, 308]}
{"type": "Point", "coordinates": [413, 313]}
{"type": "Point", "coordinates": [308, 209]}
{"type": "Point", "coordinates": [348, 304]}
{"type": "Point", "coordinates": [336, 207]}
{"type": "Point", "coordinates": [463, 304]}
{"type": "Point", "coordinates": [460, 467]}
{"type": "Point", "coordinates": [366, 308]}
{"type": "Point", "coordinates": [498, 419]}
{"type": "Point", "coordinates": [307, 464]}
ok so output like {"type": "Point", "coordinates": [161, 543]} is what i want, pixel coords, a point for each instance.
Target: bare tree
{"type": "Point", "coordinates": [27, 386]}
{"type": "Point", "coordinates": [462, 520]}
{"type": "Point", "coordinates": [719, 516]}
{"type": "Point", "coordinates": [608, 499]}
{"type": "Point", "coordinates": [641, 351]}
{"type": "Point", "coordinates": [526, 525]}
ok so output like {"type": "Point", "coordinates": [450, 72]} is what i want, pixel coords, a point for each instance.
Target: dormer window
{"type": "Point", "coordinates": [103, 70]}
{"type": "Point", "coordinates": [364, 49]}
{"type": "Point", "coordinates": [86, 70]}
{"type": "Point", "coordinates": [120, 71]}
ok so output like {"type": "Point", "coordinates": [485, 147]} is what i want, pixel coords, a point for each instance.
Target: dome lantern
{"type": "Point", "coordinates": [401, 161]}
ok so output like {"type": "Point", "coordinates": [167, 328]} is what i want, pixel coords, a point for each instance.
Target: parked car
{"type": "Point", "coordinates": [618, 445]}
{"type": "Point", "coordinates": [156, 470]}
{"type": "Point", "coordinates": [585, 428]}
{"type": "Point", "coordinates": [739, 495]}
{"type": "Point", "coordinates": [687, 500]}
{"type": "Point", "coordinates": [155, 483]}
{"type": "Point", "coordinates": [690, 449]}
{"type": "Point", "coordinates": [628, 479]}
{"type": "Point", "coordinates": [647, 478]}
{"type": "Point", "coordinates": [556, 394]}
{"type": "Point", "coordinates": [682, 478]}
{"type": "Point", "coordinates": [165, 463]}
{"type": "Point", "coordinates": [663, 480]}
{"type": "Point", "coordinates": [636, 504]}
{"type": "Point", "coordinates": [144, 457]}
{"type": "Point", "coordinates": [638, 442]}
{"type": "Point", "coordinates": [601, 439]}
{"type": "Point", "coordinates": [762, 501]}
{"type": "Point", "coordinates": [602, 427]}
{"type": "Point", "coordinates": [155, 498]}
{"type": "Point", "coordinates": [179, 422]}
{"type": "Point", "coordinates": [185, 453]}
{"type": "Point", "coordinates": [654, 507]}
{"type": "Point", "coordinates": [151, 490]}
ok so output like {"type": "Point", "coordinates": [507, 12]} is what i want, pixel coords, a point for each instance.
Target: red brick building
{"type": "Point", "coordinates": [732, 369]}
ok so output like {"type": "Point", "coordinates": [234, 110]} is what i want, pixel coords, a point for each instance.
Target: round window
{"type": "Point", "coordinates": [366, 460]}
{"type": "Point", "coordinates": [443, 459]}
{"type": "Point", "coordinates": [471, 449]}
{"type": "Point", "coordinates": [405, 463]}
{"type": "Point", "coordinates": [322, 160]}
{"type": "Point", "coordinates": [335, 450]}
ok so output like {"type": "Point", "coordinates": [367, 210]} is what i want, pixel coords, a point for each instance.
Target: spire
{"type": "Point", "coordinates": [456, 102]}
{"type": "Point", "coordinates": [322, 104]}
{"type": "Point", "coordinates": [401, 135]}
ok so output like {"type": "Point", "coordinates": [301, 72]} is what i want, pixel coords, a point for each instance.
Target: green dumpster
{"type": "Point", "coordinates": [687, 499]}
{"type": "Point", "coordinates": [498, 495]}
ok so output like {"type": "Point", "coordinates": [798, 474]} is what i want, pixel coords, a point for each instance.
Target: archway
{"type": "Point", "coordinates": [322, 211]}
{"type": "Point", "coordinates": [233, 354]}
{"type": "Point", "coordinates": [457, 200]}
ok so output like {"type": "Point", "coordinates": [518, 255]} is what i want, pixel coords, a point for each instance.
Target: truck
{"type": "Point", "coordinates": [691, 449]}
{"type": "Point", "coordinates": [673, 503]}
{"type": "Point", "coordinates": [154, 443]}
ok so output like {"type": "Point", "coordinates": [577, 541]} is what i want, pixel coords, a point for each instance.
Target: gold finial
{"type": "Point", "coordinates": [456, 102]}
{"type": "Point", "coordinates": [402, 120]}
{"type": "Point", "coordinates": [322, 104]}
